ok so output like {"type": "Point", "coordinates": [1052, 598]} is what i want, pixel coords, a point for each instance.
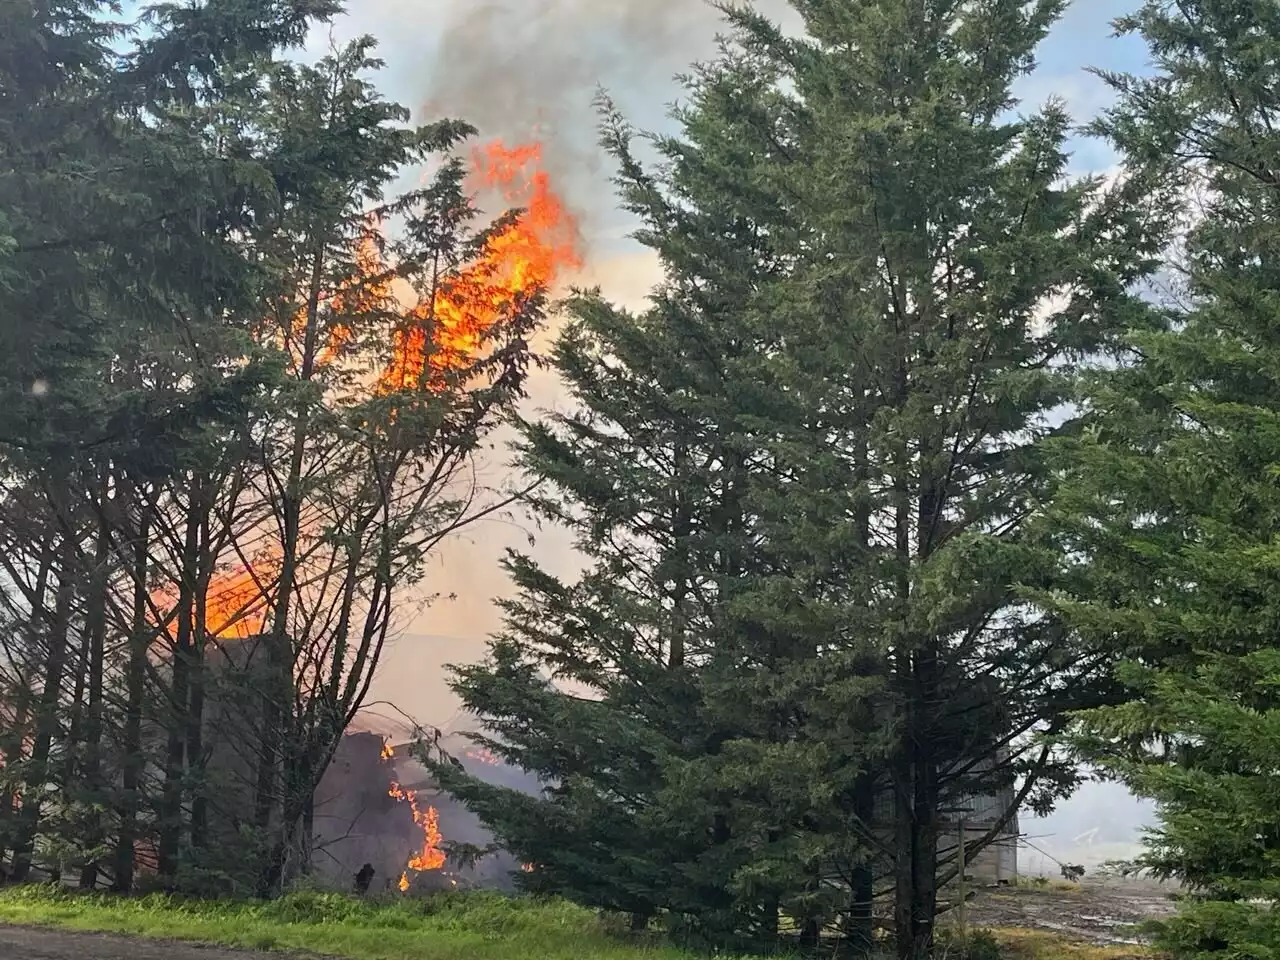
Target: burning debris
{"type": "Point", "coordinates": [378, 805]}
{"type": "Point", "coordinates": [482, 755]}
{"type": "Point", "coordinates": [431, 856]}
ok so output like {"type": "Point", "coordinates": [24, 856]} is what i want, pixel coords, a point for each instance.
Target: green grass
{"type": "Point", "coordinates": [470, 926]}
{"type": "Point", "coordinates": [448, 926]}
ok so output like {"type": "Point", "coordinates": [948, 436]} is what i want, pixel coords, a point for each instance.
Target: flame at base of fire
{"type": "Point", "coordinates": [430, 857]}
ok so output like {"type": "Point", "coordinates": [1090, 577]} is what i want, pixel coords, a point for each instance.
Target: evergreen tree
{"type": "Point", "coordinates": [882, 274]}
{"type": "Point", "coordinates": [235, 412]}
{"type": "Point", "coordinates": [593, 684]}
{"type": "Point", "coordinates": [122, 220]}
{"type": "Point", "coordinates": [1172, 492]}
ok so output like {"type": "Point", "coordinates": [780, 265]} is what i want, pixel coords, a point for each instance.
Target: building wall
{"type": "Point", "coordinates": [997, 863]}
{"type": "Point", "coordinates": [357, 821]}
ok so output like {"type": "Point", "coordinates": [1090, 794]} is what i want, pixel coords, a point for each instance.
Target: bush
{"type": "Point", "coordinates": [1205, 929]}
{"type": "Point", "coordinates": [976, 945]}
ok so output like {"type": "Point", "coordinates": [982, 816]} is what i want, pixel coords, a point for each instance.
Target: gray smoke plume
{"type": "Point", "coordinates": [525, 70]}
{"type": "Point", "coordinates": [529, 69]}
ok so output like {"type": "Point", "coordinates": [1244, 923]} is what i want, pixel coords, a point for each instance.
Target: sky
{"type": "Point", "coordinates": [526, 69]}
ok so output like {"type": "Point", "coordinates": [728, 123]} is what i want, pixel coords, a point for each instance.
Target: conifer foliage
{"type": "Point", "coordinates": [804, 477]}
{"type": "Point", "coordinates": [213, 492]}
{"type": "Point", "coordinates": [1172, 495]}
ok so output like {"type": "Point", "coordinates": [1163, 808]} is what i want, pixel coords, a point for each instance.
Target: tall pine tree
{"type": "Point", "coordinates": [1173, 492]}
{"type": "Point", "coordinates": [593, 684]}
{"type": "Point", "coordinates": [879, 273]}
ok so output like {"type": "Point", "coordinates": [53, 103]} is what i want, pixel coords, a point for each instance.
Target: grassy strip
{"type": "Point", "coordinates": [448, 926]}
{"type": "Point", "coordinates": [471, 926]}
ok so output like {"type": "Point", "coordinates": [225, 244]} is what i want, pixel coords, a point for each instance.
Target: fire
{"type": "Point", "coordinates": [234, 605]}
{"type": "Point", "coordinates": [388, 751]}
{"type": "Point", "coordinates": [430, 857]}
{"type": "Point", "coordinates": [519, 261]}
{"type": "Point", "coordinates": [483, 755]}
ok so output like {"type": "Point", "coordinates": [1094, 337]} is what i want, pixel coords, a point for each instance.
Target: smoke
{"type": "Point", "coordinates": [521, 69]}
{"type": "Point", "coordinates": [525, 70]}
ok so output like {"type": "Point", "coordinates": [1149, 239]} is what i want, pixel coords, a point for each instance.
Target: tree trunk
{"type": "Point", "coordinates": [904, 859]}
{"type": "Point", "coordinates": [12, 760]}
{"type": "Point", "coordinates": [681, 529]}
{"type": "Point", "coordinates": [924, 901]}
{"type": "Point", "coordinates": [860, 930]}
{"type": "Point", "coordinates": [96, 627]}
{"type": "Point", "coordinates": [15, 749]}
{"type": "Point", "coordinates": [195, 748]}
{"type": "Point", "coordinates": [178, 707]}
{"type": "Point", "coordinates": [860, 933]}
{"type": "Point", "coordinates": [928, 700]}
{"type": "Point", "coordinates": [278, 701]}
{"type": "Point", "coordinates": [196, 760]}
{"type": "Point", "coordinates": [308, 838]}
{"type": "Point", "coordinates": [903, 776]}
{"type": "Point", "coordinates": [75, 713]}
{"type": "Point", "coordinates": [35, 782]}
{"type": "Point", "coordinates": [302, 769]}
{"type": "Point", "coordinates": [134, 763]}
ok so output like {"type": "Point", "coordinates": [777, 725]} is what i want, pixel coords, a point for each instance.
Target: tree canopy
{"type": "Point", "coordinates": [1170, 498]}
{"type": "Point", "coordinates": [242, 384]}
{"type": "Point", "coordinates": [805, 477]}
{"type": "Point", "coordinates": [931, 476]}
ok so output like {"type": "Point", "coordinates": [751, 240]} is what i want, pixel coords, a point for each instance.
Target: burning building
{"type": "Point", "coordinates": [376, 804]}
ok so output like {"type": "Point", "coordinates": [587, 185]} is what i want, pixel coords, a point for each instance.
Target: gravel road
{"type": "Point", "coordinates": [21, 943]}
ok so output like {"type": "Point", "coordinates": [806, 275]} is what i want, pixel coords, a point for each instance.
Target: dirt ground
{"type": "Point", "coordinates": [1101, 911]}
{"type": "Point", "coordinates": [20, 943]}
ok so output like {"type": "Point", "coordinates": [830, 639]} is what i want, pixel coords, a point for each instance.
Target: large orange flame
{"type": "Point", "coordinates": [525, 258]}
{"type": "Point", "coordinates": [235, 605]}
